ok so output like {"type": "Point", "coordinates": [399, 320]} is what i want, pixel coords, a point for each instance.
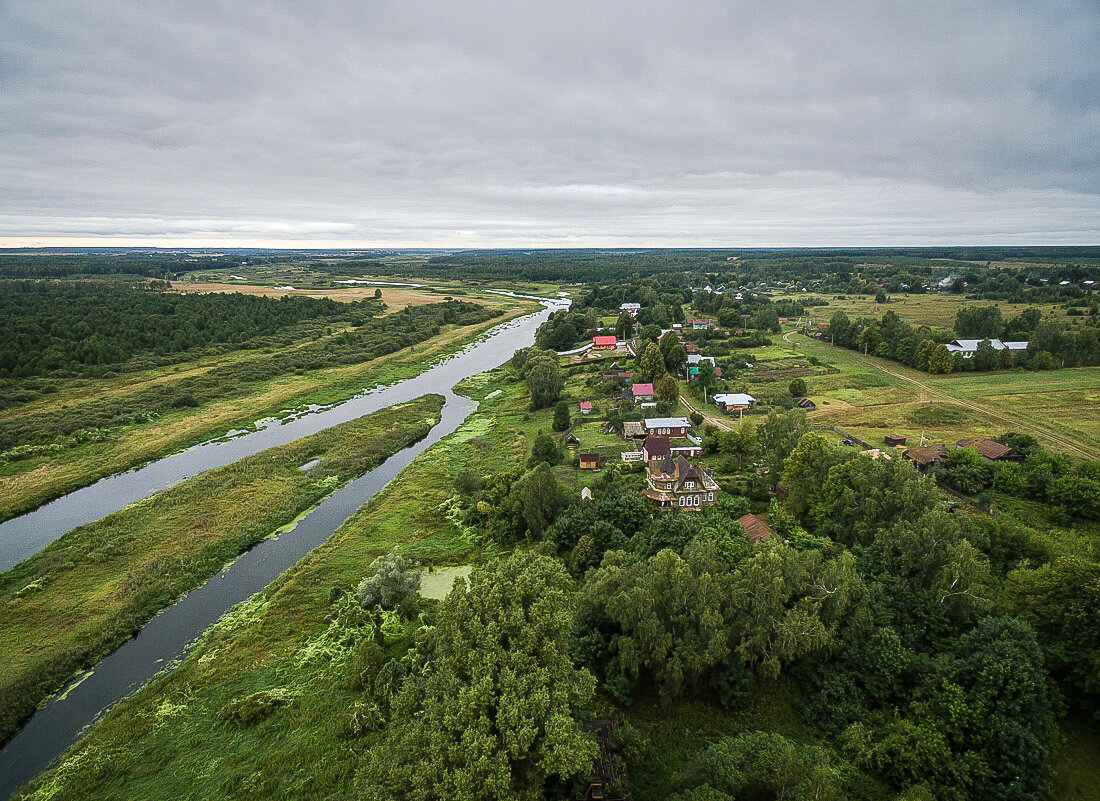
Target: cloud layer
{"type": "Point", "coordinates": [598, 123]}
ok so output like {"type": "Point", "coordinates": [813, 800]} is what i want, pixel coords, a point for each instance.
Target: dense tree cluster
{"type": "Point", "coordinates": [85, 328]}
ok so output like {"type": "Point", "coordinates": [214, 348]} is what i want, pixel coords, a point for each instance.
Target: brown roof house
{"type": "Point", "coordinates": [656, 449]}
{"type": "Point", "coordinates": [993, 451]}
{"type": "Point", "coordinates": [590, 461]}
{"type": "Point", "coordinates": [756, 529]}
{"type": "Point", "coordinates": [927, 456]}
{"type": "Point", "coordinates": [677, 482]}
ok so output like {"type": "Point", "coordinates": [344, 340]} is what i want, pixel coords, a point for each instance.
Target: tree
{"type": "Point", "coordinates": [778, 435]}
{"type": "Point", "coordinates": [673, 352]}
{"type": "Point", "coordinates": [544, 379]}
{"type": "Point", "coordinates": [972, 322]}
{"type": "Point", "coordinates": [542, 498]}
{"type": "Point", "coordinates": [840, 328]}
{"type": "Point", "coordinates": [378, 293]}
{"type": "Point", "coordinates": [880, 297]}
{"type": "Point", "coordinates": [940, 360]}
{"type": "Point", "coordinates": [391, 580]}
{"type": "Point", "coordinates": [797, 388]}
{"type": "Point", "coordinates": [624, 326]}
{"type": "Point", "coordinates": [862, 496]}
{"type": "Point", "coordinates": [546, 449]}
{"type": "Point", "coordinates": [805, 471]}
{"type": "Point", "coordinates": [985, 357]}
{"type": "Point", "coordinates": [667, 390]}
{"type": "Point", "coordinates": [966, 470]}
{"type": "Point", "coordinates": [561, 416]}
{"type": "Point", "coordinates": [490, 708]}
{"type": "Point", "coordinates": [651, 365]}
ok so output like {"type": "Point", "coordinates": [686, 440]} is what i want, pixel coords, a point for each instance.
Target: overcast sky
{"type": "Point", "coordinates": [368, 123]}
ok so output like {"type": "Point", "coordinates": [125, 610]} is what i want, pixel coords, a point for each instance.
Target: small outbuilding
{"type": "Point", "coordinates": [571, 441]}
{"type": "Point", "coordinates": [590, 461]}
{"type": "Point", "coordinates": [806, 404]}
{"type": "Point", "coordinates": [894, 439]}
{"type": "Point", "coordinates": [586, 407]}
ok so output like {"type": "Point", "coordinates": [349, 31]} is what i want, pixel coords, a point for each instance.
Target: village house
{"type": "Point", "coordinates": [968, 347]}
{"type": "Point", "coordinates": [641, 392]}
{"type": "Point", "coordinates": [656, 449]}
{"type": "Point", "coordinates": [604, 342]}
{"type": "Point", "coordinates": [733, 401]}
{"type": "Point", "coordinates": [633, 308]}
{"type": "Point", "coordinates": [571, 442]}
{"type": "Point", "coordinates": [991, 450]}
{"type": "Point", "coordinates": [691, 347]}
{"type": "Point", "coordinates": [699, 325]}
{"type": "Point", "coordinates": [927, 456]}
{"type": "Point", "coordinates": [667, 426]}
{"type": "Point", "coordinates": [806, 404]}
{"type": "Point", "coordinates": [590, 461]}
{"type": "Point", "coordinates": [894, 439]}
{"type": "Point", "coordinates": [756, 529]}
{"type": "Point", "coordinates": [676, 482]}
{"type": "Point", "coordinates": [586, 407]}
{"type": "Point", "coordinates": [634, 429]}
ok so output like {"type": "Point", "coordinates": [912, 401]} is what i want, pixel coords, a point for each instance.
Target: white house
{"type": "Point", "coordinates": [633, 308]}
{"type": "Point", "coordinates": [968, 347]}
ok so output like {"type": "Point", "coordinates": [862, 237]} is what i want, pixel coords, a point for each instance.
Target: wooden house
{"type": "Point", "coordinates": [571, 441]}
{"type": "Point", "coordinates": [602, 342]}
{"type": "Point", "coordinates": [656, 449]}
{"type": "Point", "coordinates": [927, 456]}
{"type": "Point", "coordinates": [676, 482]}
{"type": "Point", "coordinates": [586, 407]}
{"type": "Point", "coordinates": [733, 401]}
{"type": "Point", "coordinates": [667, 426]}
{"type": "Point", "coordinates": [641, 392]}
{"type": "Point", "coordinates": [894, 439]}
{"type": "Point", "coordinates": [590, 461]}
{"type": "Point", "coordinates": [991, 450]}
{"type": "Point", "coordinates": [806, 404]}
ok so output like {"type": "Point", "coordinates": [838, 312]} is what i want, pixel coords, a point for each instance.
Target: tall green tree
{"type": "Point", "coordinates": [544, 379]}
{"type": "Point", "coordinates": [491, 708]}
{"type": "Point", "coordinates": [561, 416]}
{"type": "Point", "coordinates": [667, 390]}
{"type": "Point", "coordinates": [651, 365]}
{"type": "Point", "coordinates": [778, 435]}
{"type": "Point", "coordinates": [546, 449]}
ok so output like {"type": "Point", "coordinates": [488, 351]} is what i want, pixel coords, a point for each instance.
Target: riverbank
{"type": "Point", "coordinates": [168, 740]}
{"type": "Point", "coordinates": [92, 589]}
{"type": "Point", "coordinates": [28, 484]}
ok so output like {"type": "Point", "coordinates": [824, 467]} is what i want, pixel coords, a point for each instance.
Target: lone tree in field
{"type": "Point", "coordinates": [797, 388]}
{"type": "Point", "coordinates": [391, 580]}
{"type": "Point", "coordinates": [561, 416]}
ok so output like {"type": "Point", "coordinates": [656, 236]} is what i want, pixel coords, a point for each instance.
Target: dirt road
{"type": "Point", "coordinates": [932, 392]}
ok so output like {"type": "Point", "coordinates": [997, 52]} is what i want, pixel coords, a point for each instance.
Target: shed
{"type": "Point", "coordinates": [927, 456]}
{"type": "Point", "coordinates": [756, 529]}
{"type": "Point", "coordinates": [807, 404]}
{"type": "Point", "coordinates": [586, 407]}
{"type": "Point", "coordinates": [590, 461]}
{"type": "Point", "coordinates": [894, 439]}
{"type": "Point", "coordinates": [571, 441]}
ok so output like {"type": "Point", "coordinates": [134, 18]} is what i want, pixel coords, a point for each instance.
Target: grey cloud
{"type": "Point", "coordinates": [594, 123]}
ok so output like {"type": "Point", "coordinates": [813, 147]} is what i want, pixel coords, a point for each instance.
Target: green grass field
{"type": "Point", "coordinates": [87, 592]}
{"type": "Point", "coordinates": [28, 483]}
{"type": "Point", "coordinates": [935, 310]}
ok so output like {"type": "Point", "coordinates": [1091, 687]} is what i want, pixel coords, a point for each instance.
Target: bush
{"type": "Point", "coordinates": [253, 708]}
{"type": "Point", "coordinates": [392, 579]}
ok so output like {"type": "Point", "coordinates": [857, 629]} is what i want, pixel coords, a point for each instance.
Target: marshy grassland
{"type": "Point", "coordinates": [130, 438]}
{"type": "Point", "coordinates": [86, 593]}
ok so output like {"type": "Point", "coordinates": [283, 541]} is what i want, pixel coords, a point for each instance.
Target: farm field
{"type": "Point", "coordinates": [84, 594]}
{"type": "Point", "coordinates": [872, 397]}
{"type": "Point", "coordinates": [395, 298]}
{"type": "Point", "coordinates": [933, 309]}
{"type": "Point", "coordinates": [28, 483]}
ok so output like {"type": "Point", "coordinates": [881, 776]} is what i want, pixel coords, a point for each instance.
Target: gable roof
{"type": "Point", "coordinates": [986, 447]}
{"type": "Point", "coordinates": [927, 454]}
{"type": "Point", "coordinates": [590, 457]}
{"type": "Point", "coordinates": [609, 339]}
{"type": "Point", "coordinates": [756, 529]}
{"type": "Point", "coordinates": [657, 446]}
{"type": "Point", "coordinates": [666, 422]}
{"type": "Point", "coordinates": [586, 405]}
{"type": "Point", "coordinates": [641, 389]}
{"type": "Point", "coordinates": [734, 399]}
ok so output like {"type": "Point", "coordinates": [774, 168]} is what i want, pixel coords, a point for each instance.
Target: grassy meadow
{"type": "Point", "coordinates": [27, 483]}
{"type": "Point", "coordinates": [84, 594]}
{"type": "Point", "coordinates": [933, 309]}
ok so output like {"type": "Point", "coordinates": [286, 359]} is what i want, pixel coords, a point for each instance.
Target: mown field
{"type": "Point", "coordinates": [873, 397]}
{"type": "Point", "coordinates": [29, 482]}
{"type": "Point", "coordinates": [80, 597]}
{"type": "Point", "coordinates": [395, 298]}
{"type": "Point", "coordinates": [933, 309]}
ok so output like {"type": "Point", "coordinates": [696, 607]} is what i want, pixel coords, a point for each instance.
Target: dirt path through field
{"type": "Point", "coordinates": [932, 392]}
{"type": "Point", "coordinates": [716, 421]}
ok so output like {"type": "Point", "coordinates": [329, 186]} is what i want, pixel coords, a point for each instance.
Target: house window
{"type": "Point", "coordinates": [710, 496]}
{"type": "Point", "coordinates": [681, 500]}
{"type": "Point", "coordinates": [696, 500]}
{"type": "Point", "coordinates": [689, 484]}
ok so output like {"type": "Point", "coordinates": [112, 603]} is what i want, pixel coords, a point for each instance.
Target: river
{"type": "Point", "coordinates": [166, 638]}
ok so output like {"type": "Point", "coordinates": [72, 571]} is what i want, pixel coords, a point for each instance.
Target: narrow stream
{"type": "Point", "coordinates": [24, 536]}
{"type": "Point", "coordinates": [167, 637]}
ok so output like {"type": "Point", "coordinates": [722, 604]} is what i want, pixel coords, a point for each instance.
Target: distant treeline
{"type": "Point", "coordinates": [82, 328]}
{"type": "Point", "coordinates": [141, 263]}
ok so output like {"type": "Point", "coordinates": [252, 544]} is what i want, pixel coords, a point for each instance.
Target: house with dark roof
{"type": "Point", "coordinates": [927, 456]}
{"type": "Point", "coordinates": [807, 404]}
{"type": "Point", "coordinates": [991, 450]}
{"type": "Point", "coordinates": [590, 461]}
{"type": "Point", "coordinates": [676, 482]}
{"type": "Point", "coordinates": [656, 449]}
{"type": "Point", "coordinates": [756, 529]}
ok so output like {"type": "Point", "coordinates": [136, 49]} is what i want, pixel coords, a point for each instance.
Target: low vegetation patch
{"type": "Point", "coordinates": [87, 592]}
